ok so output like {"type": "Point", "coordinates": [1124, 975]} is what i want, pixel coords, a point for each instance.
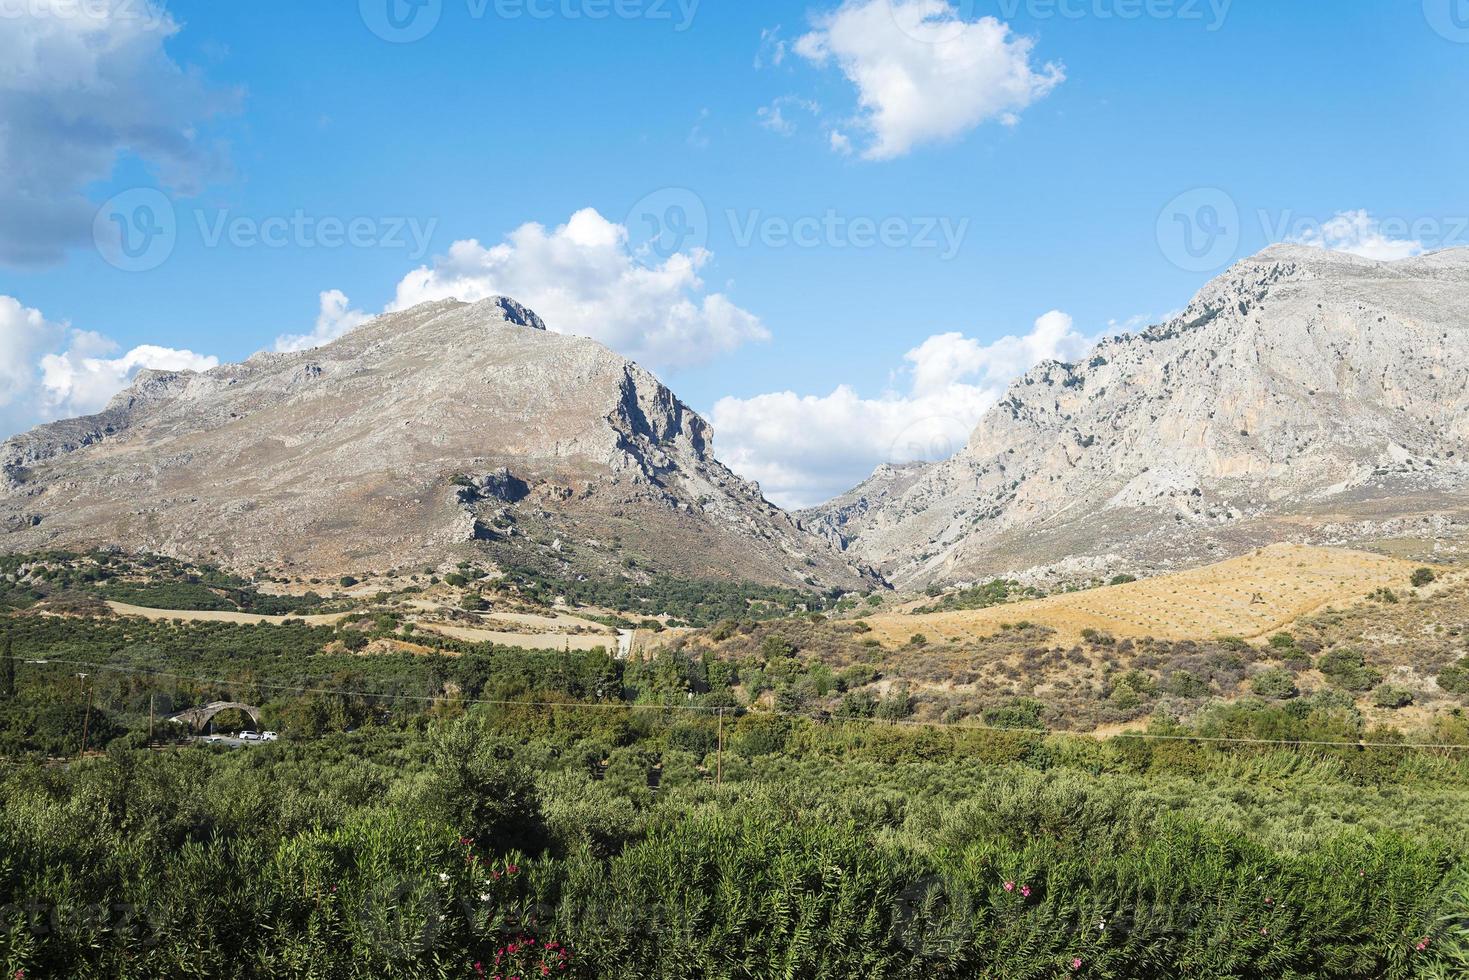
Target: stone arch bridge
{"type": "Point", "coordinates": [198, 718]}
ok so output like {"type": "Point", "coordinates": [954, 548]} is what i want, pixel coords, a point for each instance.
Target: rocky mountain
{"type": "Point", "coordinates": [439, 433]}
{"type": "Point", "coordinates": [1303, 395]}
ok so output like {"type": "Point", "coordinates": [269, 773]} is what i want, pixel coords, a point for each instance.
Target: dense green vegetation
{"type": "Point", "coordinates": [693, 602]}
{"type": "Point", "coordinates": [482, 811]}
{"type": "Point", "coordinates": [993, 593]}
{"type": "Point", "coordinates": [151, 581]}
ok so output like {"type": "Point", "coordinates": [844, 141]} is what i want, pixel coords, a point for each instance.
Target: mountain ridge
{"type": "Point", "coordinates": [423, 436]}
{"type": "Point", "coordinates": [1300, 392]}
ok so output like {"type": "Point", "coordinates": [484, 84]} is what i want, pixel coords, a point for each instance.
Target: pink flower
{"type": "Point", "coordinates": [1264, 932]}
{"type": "Point", "coordinates": [512, 870]}
{"type": "Point", "coordinates": [1422, 944]}
{"type": "Point", "coordinates": [1009, 886]}
{"type": "Point", "coordinates": [1076, 964]}
{"type": "Point", "coordinates": [479, 969]}
{"type": "Point", "coordinates": [1025, 891]}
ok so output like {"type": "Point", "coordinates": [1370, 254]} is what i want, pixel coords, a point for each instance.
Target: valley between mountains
{"type": "Point", "coordinates": [1149, 529]}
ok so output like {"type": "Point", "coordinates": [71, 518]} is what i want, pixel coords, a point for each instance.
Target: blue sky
{"type": "Point", "coordinates": [1023, 153]}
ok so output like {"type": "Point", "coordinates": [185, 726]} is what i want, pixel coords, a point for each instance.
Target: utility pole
{"type": "Point", "coordinates": [151, 698]}
{"type": "Point", "coordinates": [86, 718]}
{"type": "Point", "coordinates": [719, 754]}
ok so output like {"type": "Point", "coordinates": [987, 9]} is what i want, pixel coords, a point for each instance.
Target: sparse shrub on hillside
{"type": "Point", "coordinates": [1389, 696]}
{"type": "Point", "coordinates": [1384, 595]}
{"type": "Point", "coordinates": [857, 704]}
{"type": "Point", "coordinates": [1422, 577]}
{"type": "Point", "coordinates": [1282, 642]}
{"type": "Point", "coordinates": [1276, 683]}
{"type": "Point", "coordinates": [1019, 713]}
{"type": "Point", "coordinates": [776, 647]}
{"type": "Point", "coordinates": [1455, 678]}
{"type": "Point", "coordinates": [1347, 668]}
{"type": "Point", "coordinates": [896, 705]}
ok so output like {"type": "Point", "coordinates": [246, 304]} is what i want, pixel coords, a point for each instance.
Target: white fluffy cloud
{"type": "Point", "coordinates": [50, 371]}
{"type": "Point", "coordinates": [923, 72]}
{"type": "Point", "coordinates": [80, 84]}
{"type": "Point", "coordinates": [1359, 233]}
{"type": "Point", "coordinates": [583, 278]}
{"type": "Point", "coordinates": [335, 319]}
{"type": "Point", "coordinates": [804, 449]}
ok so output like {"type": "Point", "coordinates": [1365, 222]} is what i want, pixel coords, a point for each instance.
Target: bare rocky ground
{"type": "Point", "coordinates": [442, 433]}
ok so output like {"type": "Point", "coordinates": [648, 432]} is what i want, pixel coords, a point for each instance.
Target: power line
{"type": "Point", "coordinates": [707, 710]}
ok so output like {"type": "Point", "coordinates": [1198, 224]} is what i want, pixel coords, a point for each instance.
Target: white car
{"type": "Point", "coordinates": [268, 736]}
{"type": "Point", "coordinates": [251, 737]}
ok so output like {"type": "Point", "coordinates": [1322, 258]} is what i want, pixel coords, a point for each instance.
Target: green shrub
{"type": "Point", "coordinates": [1388, 696]}
{"type": "Point", "coordinates": [1422, 577]}
{"type": "Point", "coordinates": [1276, 683]}
{"type": "Point", "coordinates": [1347, 668]}
{"type": "Point", "coordinates": [1455, 678]}
{"type": "Point", "coordinates": [1019, 713]}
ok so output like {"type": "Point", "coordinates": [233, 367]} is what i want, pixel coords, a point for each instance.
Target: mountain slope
{"type": "Point", "coordinates": [437, 433]}
{"type": "Point", "coordinates": [1302, 395]}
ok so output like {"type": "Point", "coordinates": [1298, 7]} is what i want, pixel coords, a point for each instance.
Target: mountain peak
{"type": "Point", "coordinates": [393, 446]}
{"type": "Point", "coordinates": [1302, 390]}
{"type": "Point", "coordinates": [507, 309]}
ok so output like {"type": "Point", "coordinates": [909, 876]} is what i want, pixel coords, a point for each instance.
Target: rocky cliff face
{"type": "Point", "coordinates": [1302, 395]}
{"type": "Point", "coordinates": [439, 432]}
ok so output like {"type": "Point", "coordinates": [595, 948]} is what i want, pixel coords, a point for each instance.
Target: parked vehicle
{"type": "Point", "coordinates": [268, 736]}
{"type": "Point", "coordinates": [250, 737]}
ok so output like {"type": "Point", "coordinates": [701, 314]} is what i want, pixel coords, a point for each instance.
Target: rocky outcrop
{"type": "Point", "coordinates": [438, 432]}
{"type": "Point", "coordinates": [1302, 390]}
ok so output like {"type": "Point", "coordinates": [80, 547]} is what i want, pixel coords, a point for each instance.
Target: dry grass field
{"type": "Point", "coordinates": [216, 616]}
{"type": "Point", "coordinates": [1249, 597]}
